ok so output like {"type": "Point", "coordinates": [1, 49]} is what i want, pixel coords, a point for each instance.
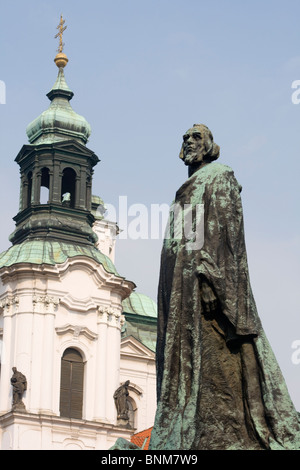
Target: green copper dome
{"type": "Point", "coordinates": [140, 313]}
{"type": "Point", "coordinates": [59, 121]}
{"type": "Point", "coordinates": [140, 304]}
{"type": "Point", "coordinates": [52, 252]}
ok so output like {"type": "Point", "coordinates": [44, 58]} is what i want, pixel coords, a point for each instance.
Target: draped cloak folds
{"type": "Point", "coordinates": [219, 385]}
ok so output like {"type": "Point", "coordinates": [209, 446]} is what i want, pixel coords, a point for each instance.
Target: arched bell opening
{"type": "Point", "coordinates": [68, 187]}
{"type": "Point", "coordinates": [45, 185]}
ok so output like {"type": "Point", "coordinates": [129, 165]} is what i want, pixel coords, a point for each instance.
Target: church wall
{"type": "Point", "coordinates": [47, 308]}
{"type": "Point", "coordinates": [44, 314]}
{"type": "Point", "coordinates": [138, 365]}
{"type": "Point", "coordinates": [27, 431]}
{"type": "Point", "coordinates": [106, 232]}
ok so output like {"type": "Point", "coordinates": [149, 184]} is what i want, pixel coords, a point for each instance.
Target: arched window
{"type": "Point", "coordinates": [68, 187]}
{"type": "Point", "coordinates": [45, 181]}
{"type": "Point", "coordinates": [71, 384]}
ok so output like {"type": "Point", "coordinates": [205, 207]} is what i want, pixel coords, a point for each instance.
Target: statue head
{"type": "Point", "coordinates": [199, 146]}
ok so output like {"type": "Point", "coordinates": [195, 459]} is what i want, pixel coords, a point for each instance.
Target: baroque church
{"type": "Point", "coordinates": [78, 342]}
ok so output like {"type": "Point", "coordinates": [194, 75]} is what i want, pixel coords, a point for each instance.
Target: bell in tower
{"type": "Point", "coordinates": [56, 172]}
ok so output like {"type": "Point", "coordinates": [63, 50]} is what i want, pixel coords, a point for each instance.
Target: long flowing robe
{"type": "Point", "coordinates": [219, 385]}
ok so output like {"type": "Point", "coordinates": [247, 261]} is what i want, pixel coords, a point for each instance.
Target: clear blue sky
{"type": "Point", "coordinates": [143, 72]}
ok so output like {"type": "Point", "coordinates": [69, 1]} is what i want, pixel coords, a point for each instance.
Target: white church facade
{"type": "Point", "coordinates": [72, 329]}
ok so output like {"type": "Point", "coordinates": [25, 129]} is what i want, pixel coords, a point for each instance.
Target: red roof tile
{"type": "Point", "coordinates": [142, 438]}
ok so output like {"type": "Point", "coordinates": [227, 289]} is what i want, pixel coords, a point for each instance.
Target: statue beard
{"type": "Point", "coordinates": [192, 158]}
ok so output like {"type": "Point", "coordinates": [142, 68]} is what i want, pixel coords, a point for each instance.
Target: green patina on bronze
{"type": "Point", "coordinates": [219, 386]}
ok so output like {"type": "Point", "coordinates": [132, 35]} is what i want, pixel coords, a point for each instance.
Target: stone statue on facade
{"type": "Point", "coordinates": [219, 386]}
{"type": "Point", "coordinates": [19, 384]}
{"type": "Point", "coordinates": [121, 401]}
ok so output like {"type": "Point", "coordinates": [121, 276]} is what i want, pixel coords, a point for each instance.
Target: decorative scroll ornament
{"type": "Point", "coordinates": [110, 315]}
{"type": "Point", "coordinates": [10, 302]}
{"type": "Point", "coordinates": [45, 303]}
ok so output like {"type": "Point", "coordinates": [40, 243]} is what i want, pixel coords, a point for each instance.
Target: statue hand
{"type": "Point", "coordinates": [208, 297]}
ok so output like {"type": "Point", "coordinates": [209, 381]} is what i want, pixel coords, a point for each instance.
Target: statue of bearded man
{"type": "Point", "coordinates": [219, 386]}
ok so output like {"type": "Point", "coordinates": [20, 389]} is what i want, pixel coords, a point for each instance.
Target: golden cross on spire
{"type": "Point", "coordinates": [59, 35]}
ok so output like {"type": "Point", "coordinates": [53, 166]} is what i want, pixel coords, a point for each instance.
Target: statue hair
{"type": "Point", "coordinates": [212, 150]}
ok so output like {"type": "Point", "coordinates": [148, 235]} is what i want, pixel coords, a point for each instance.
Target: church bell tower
{"type": "Point", "coordinates": [60, 296]}
{"type": "Point", "coordinates": [56, 172]}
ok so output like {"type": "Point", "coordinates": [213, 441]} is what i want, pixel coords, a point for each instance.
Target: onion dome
{"type": "Point", "coordinates": [59, 122]}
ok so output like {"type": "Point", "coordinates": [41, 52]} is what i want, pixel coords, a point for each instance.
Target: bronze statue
{"type": "Point", "coordinates": [121, 401]}
{"type": "Point", "coordinates": [219, 386]}
{"type": "Point", "coordinates": [19, 384]}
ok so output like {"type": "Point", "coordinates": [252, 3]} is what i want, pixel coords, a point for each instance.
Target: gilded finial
{"type": "Point", "coordinates": [61, 59]}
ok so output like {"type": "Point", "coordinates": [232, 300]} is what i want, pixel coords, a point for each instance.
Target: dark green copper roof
{"type": "Point", "coordinates": [140, 313]}
{"type": "Point", "coordinates": [52, 252]}
{"type": "Point", "coordinates": [140, 304]}
{"type": "Point", "coordinates": [59, 121]}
